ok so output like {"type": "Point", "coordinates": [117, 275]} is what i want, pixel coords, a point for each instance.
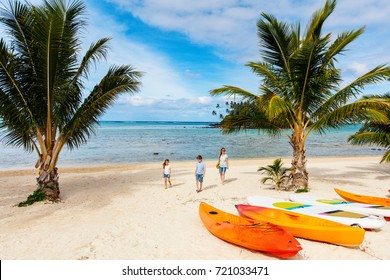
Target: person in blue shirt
{"type": "Point", "coordinates": [200, 171]}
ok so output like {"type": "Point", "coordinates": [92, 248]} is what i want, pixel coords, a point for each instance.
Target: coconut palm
{"type": "Point", "coordinates": [277, 174]}
{"type": "Point", "coordinates": [300, 90]}
{"type": "Point", "coordinates": [42, 83]}
{"type": "Point", "coordinates": [374, 133]}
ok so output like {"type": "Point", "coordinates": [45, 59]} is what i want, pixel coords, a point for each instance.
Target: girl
{"type": "Point", "coordinates": [167, 173]}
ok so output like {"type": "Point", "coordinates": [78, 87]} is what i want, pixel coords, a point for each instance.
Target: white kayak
{"type": "Point", "coordinates": [337, 215]}
{"type": "Point", "coordinates": [371, 209]}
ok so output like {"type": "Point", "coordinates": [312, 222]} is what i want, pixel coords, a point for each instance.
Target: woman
{"type": "Point", "coordinates": [167, 173]}
{"type": "Point", "coordinates": [223, 164]}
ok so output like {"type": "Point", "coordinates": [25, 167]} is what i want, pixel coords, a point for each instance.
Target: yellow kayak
{"type": "Point", "coordinates": [305, 226]}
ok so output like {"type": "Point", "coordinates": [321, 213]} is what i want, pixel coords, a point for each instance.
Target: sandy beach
{"type": "Point", "coordinates": [124, 212]}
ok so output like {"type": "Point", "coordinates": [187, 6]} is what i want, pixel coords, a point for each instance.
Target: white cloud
{"type": "Point", "coordinates": [222, 23]}
{"type": "Point", "coordinates": [188, 73]}
{"type": "Point", "coordinates": [138, 101]}
{"type": "Point", "coordinates": [359, 13]}
{"type": "Point", "coordinates": [358, 68]}
{"type": "Point", "coordinates": [160, 79]}
{"type": "Point", "coordinates": [229, 27]}
{"type": "Point", "coordinates": [202, 100]}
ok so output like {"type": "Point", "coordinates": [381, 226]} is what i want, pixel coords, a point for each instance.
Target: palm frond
{"type": "Point", "coordinates": [370, 138]}
{"type": "Point", "coordinates": [15, 105]}
{"type": "Point", "coordinates": [249, 116]}
{"type": "Point", "coordinates": [386, 157]}
{"type": "Point", "coordinates": [69, 95]}
{"type": "Point", "coordinates": [277, 108]}
{"type": "Point", "coordinates": [263, 70]}
{"type": "Point", "coordinates": [381, 139]}
{"type": "Point", "coordinates": [355, 88]}
{"type": "Point", "coordinates": [17, 21]}
{"type": "Point", "coordinates": [118, 80]}
{"type": "Point", "coordinates": [231, 91]}
{"type": "Point", "coordinates": [342, 41]}
{"type": "Point", "coordinates": [275, 38]}
{"type": "Point", "coordinates": [314, 28]}
{"type": "Point", "coordinates": [354, 112]}
{"type": "Point", "coordinates": [96, 52]}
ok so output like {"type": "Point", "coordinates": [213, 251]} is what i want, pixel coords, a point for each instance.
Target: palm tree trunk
{"type": "Point", "coordinates": [47, 181]}
{"type": "Point", "coordinates": [300, 178]}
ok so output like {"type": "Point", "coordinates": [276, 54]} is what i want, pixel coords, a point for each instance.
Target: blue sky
{"type": "Point", "coordinates": [187, 48]}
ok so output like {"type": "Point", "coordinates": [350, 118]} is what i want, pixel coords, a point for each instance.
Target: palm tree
{"type": "Point", "coordinates": [42, 82]}
{"type": "Point", "coordinates": [276, 173]}
{"type": "Point", "coordinates": [300, 90]}
{"type": "Point", "coordinates": [374, 133]}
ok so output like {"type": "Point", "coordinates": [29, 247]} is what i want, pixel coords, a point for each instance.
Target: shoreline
{"type": "Point", "coordinates": [183, 163]}
{"type": "Point", "coordinates": [124, 213]}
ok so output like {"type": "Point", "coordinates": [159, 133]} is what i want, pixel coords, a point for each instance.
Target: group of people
{"type": "Point", "coordinates": [200, 170]}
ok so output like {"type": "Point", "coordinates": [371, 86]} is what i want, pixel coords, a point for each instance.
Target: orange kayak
{"type": "Point", "coordinates": [248, 233]}
{"type": "Point", "coordinates": [305, 226]}
{"type": "Point", "coordinates": [363, 198]}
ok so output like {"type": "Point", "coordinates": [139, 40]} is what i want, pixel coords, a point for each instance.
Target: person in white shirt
{"type": "Point", "coordinates": [167, 173]}
{"type": "Point", "coordinates": [223, 164]}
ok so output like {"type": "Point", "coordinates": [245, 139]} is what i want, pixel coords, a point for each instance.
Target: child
{"type": "Point", "coordinates": [167, 173]}
{"type": "Point", "coordinates": [200, 171]}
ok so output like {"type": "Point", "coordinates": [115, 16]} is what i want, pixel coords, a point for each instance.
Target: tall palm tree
{"type": "Point", "coordinates": [374, 132]}
{"type": "Point", "coordinates": [300, 90]}
{"type": "Point", "coordinates": [42, 81]}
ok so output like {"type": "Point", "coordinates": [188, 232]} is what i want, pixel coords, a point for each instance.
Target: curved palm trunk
{"type": "Point", "coordinates": [47, 181]}
{"type": "Point", "coordinates": [300, 178]}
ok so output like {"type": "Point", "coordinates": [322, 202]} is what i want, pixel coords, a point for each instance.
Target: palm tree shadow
{"type": "Point", "coordinates": [177, 184]}
{"type": "Point", "coordinates": [210, 187]}
{"type": "Point", "coordinates": [270, 187]}
{"type": "Point", "coordinates": [230, 180]}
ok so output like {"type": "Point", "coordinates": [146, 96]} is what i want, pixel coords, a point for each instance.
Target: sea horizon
{"type": "Point", "coordinates": [125, 142]}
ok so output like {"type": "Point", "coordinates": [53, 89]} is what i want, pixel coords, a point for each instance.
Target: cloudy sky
{"type": "Point", "coordinates": [187, 48]}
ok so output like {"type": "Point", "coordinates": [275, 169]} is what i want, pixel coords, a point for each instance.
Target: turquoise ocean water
{"type": "Point", "coordinates": [139, 142]}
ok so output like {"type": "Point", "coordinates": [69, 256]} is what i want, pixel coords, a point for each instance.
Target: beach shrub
{"type": "Point", "coordinates": [37, 196]}
{"type": "Point", "coordinates": [277, 174]}
{"type": "Point", "coordinates": [301, 190]}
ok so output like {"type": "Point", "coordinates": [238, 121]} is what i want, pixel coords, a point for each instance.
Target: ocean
{"type": "Point", "coordinates": [147, 141]}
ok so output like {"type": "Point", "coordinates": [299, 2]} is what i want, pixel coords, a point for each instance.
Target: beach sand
{"type": "Point", "coordinates": [124, 212]}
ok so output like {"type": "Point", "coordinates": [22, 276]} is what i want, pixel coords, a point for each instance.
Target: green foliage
{"type": "Point", "coordinates": [37, 196]}
{"type": "Point", "coordinates": [374, 132]}
{"type": "Point", "coordinates": [277, 174]}
{"type": "Point", "coordinates": [302, 190]}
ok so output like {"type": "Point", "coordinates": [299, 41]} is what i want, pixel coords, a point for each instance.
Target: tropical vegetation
{"type": "Point", "coordinates": [276, 173]}
{"type": "Point", "coordinates": [302, 89]}
{"type": "Point", "coordinates": [44, 105]}
{"type": "Point", "coordinates": [374, 132]}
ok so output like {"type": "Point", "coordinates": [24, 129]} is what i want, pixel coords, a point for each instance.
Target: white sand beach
{"type": "Point", "coordinates": [124, 212]}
